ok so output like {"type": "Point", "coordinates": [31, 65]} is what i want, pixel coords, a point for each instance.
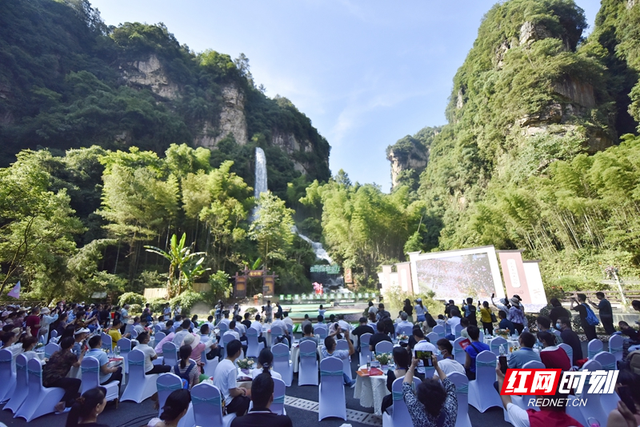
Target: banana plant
{"type": "Point", "coordinates": [184, 266]}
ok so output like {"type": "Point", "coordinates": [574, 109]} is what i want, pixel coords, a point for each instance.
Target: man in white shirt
{"type": "Point", "coordinates": [232, 330]}
{"type": "Point", "coordinates": [285, 332]}
{"type": "Point", "coordinates": [421, 342]}
{"type": "Point", "coordinates": [454, 320]}
{"type": "Point", "coordinates": [287, 320]}
{"type": "Point", "coordinates": [403, 323]}
{"type": "Point", "coordinates": [236, 398]}
{"type": "Point", "coordinates": [149, 356]}
{"type": "Point", "coordinates": [329, 350]}
{"type": "Point", "coordinates": [448, 364]}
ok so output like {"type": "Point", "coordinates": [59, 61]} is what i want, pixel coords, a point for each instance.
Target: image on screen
{"type": "Point", "coordinates": [457, 277]}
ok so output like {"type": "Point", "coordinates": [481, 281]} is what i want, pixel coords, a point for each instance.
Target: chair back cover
{"type": "Point", "coordinates": [276, 331]}
{"type": "Point", "coordinates": [364, 348]}
{"type": "Point", "coordinates": [207, 405]}
{"type": "Point", "coordinates": [308, 370]}
{"type": "Point", "coordinates": [607, 360]}
{"type": "Point", "coordinates": [594, 347]}
{"type": "Point", "coordinates": [462, 393]}
{"type": "Point", "coordinates": [106, 342]}
{"type": "Point", "coordinates": [170, 353]}
{"type": "Point", "coordinates": [400, 414]}
{"type": "Point", "coordinates": [253, 346]}
{"type": "Point", "coordinates": [282, 362]}
{"type": "Point", "coordinates": [332, 402]}
{"type": "Point", "coordinates": [159, 336]}
{"type": "Point", "coordinates": [50, 348]}
{"type": "Point", "coordinates": [496, 343]}
{"type": "Point", "coordinates": [90, 368]}
{"type": "Point", "coordinates": [320, 330]}
{"type": "Point", "coordinates": [224, 327]}
{"type": "Point", "coordinates": [7, 375]}
{"type": "Point", "coordinates": [406, 330]}
{"type": "Point", "coordinates": [594, 409]}
{"type": "Point", "coordinates": [567, 349]}
{"type": "Point", "coordinates": [457, 330]}
{"type": "Point", "coordinates": [615, 346]}
{"type": "Point", "coordinates": [22, 387]}
{"type": "Point", "coordinates": [384, 347]}
{"type": "Point", "coordinates": [458, 353]}
{"type": "Point", "coordinates": [439, 329]}
{"type": "Point", "coordinates": [166, 384]}
{"type": "Point", "coordinates": [279, 391]}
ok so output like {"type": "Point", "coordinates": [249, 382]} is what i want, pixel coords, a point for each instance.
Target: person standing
{"type": "Point", "coordinates": [421, 310]}
{"type": "Point", "coordinates": [486, 319]}
{"type": "Point", "coordinates": [580, 305]}
{"type": "Point", "coordinates": [268, 312]}
{"type": "Point", "coordinates": [470, 312]}
{"type": "Point", "coordinates": [516, 314]}
{"type": "Point", "coordinates": [605, 312]}
{"type": "Point", "coordinates": [557, 311]}
{"type": "Point", "coordinates": [408, 309]}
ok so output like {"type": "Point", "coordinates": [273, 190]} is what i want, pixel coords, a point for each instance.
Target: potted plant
{"type": "Point", "coordinates": [245, 365]}
{"type": "Point", "coordinates": [384, 359]}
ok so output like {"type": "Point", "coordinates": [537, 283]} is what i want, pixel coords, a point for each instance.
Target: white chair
{"type": "Point", "coordinates": [594, 347]}
{"type": "Point", "coordinates": [331, 398]}
{"type": "Point", "coordinates": [462, 393]}
{"type": "Point", "coordinates": [125, 349]}
{"type": "Point", "coordinates": [608, 361]}
{"type": "Point", "coordinates": [439, 329]}
{"type": "Point", "coordinates": [253, 346]}
{"type": "Point", "coordinates": [406, 330]}
{"type": "Point", "coordinates": [50, 348]}
{"type": "Point", "coordinates": [279, 392]}
{"type": "Point", "coordinates": [458, 352]}
{"type": "Point", "coordinates": [344, 345]}
{"type": "Point", "coordinates": [496, 343]}
{"type": "Point", "coordinates": [384, 347]}
{"type": "Point", "coordinates": [457, 331]}
{"type": "Point", "coordinates": [159, 336]}
{"type": "Point", "coordinates": [433, 337]}
{"type": "Point", "coordinates": [7, 375]}
{"type": "Point", "coordinates": [107, 342]}
{"type": "Point", "coordinates": [399, 413]}
{"type": "Point", "coordinates": [207, 407]}
{"type": "Point", "coordinates": [41, 400]}
{"type": "Point", "coordinates": [165, 384]}
{"type": "Point", "coordinates": [282, 362]}
{"type": "Point", "coordinates": [90, 368]}
{"type": "Point", "coordinates": [615, 346]}
{"type": "Point", "coordinates": [210, 365]}
{"type": "Point", "coordinates": [278, 333]}
{"type": "Point", "coordinates": [320, 330]}
{"type": "Point", "coordinates": [482, 395]}
{"type": "Point", "coordinates": [170, 354]}
{"type": "Point", "coordinates": [140, 386]}
{"type": "Point", "coordinates": [54, 334]}
{"type": "Point", "coordinates": [594, 409]}
{"type": "Point", "coordinates": [523, 401]}
{"type": "Point", "coordinates": [308, 369]}
{"type": "Point", "coordinates": [22, 385]}
{"type": "Point", "coordinates": [290, 329]}
{"type": "Point", "coordinates": [364, 348]}
{"type": "Point", "coordinates": [569, 350]}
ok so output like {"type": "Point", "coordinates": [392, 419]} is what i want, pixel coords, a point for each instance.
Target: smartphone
{"type": "Point", "coordinates": [503, 364]}
{"type": "Point", "coordinates": [425, 356]}
{"type": "Point", "coordinates": [493, 296]}
{"type": "Point", "coordinates": [625, 396]}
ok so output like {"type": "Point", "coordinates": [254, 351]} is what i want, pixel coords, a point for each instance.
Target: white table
{"type": "Point", "coordinates": [371, 391]}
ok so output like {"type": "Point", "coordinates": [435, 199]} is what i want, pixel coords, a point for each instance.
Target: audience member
{"type": "Point", "coordinates": [552, 355]}
{"type": "Point", "coordinates": [525, 353]}
{"type": "Point", "coordinates": [402, 360]}
{"type": "Point", "coordinates": [262, 397]}
{"type": "Point", "coordinates": [329, 349]}
{"type": "Point", "coordinates": [571, 338]}
{"type": "Point", "coordinates": [265, 363]}
{"type": "Point", "coordinates": [86, 408]}
{"type": "Point", "coordinates": [55, 371]}
{"type": "Point", "coordinates": [473, 349]}
{"type": "Point", "coordinates": [149, 356]}
{"type": "Point", "coordinates": [236, 398]}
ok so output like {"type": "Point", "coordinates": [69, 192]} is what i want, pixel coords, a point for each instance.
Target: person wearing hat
{"type": "Point", "coordinates": [80, 336]}
{"type": "Point", "coordinates": [516, 314]}
{"type": "Point", "coordinates": [47, 318]}
{"type": "Point", "coordinates": [421, 311]}
{"type": "Point", "coordinates": [149, 356]}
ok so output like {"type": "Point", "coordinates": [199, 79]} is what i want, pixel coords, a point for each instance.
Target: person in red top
{"type": "Point", "coordinates": [547, 415]}
{"type": "Point", "coordinates": [553, 357]}
{"type": "Point", "coordinates": [33, 321]}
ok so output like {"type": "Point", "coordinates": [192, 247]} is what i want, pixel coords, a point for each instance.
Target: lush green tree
{"type": "Point", "coordinates": [272, 228]}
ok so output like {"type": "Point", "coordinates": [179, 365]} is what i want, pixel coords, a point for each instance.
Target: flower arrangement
{"type": "Point", "coordinates": [245, 363]}
{"type": "Point", "coordinates": [504, 333]}
{"type": "Point", "coordinates": [403, 337]}
{"type": "Point", "coordinates": [39, 345]}
{"type": "Point", "coordinates": [383, 358]}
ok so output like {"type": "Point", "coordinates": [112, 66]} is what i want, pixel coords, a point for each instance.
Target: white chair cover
{"type": "Point", "coordinates": [384, 347]}
{"type": "Point", "coordinates": [156, 328]}
{"type": "Point", "coordinates": [290, 329]}
{"type": "Point", "coordinates": [308, 370]}
{"type": "Point", "coordinates": [567, 349]}
{"type": "Point", "coordinates": [7, 375]}
{"type": "Point", "coordinates": [253, 346]}
{"type": "Point", "coordinates": [125, 349]}
{"type": "Point", "coordinates": [399, 413]}
{"type": "Point", "coordinates": [523, 401]}
{"type": "Point", "coordinates": [166, 384]}
{"type": "Point", "coordinates": [140, 386]}
{"type": "Point", "coordinates": [134, 334]}
{"type": "Point", "coordinates": [433, 337]}
{"type": "Point", "coordinates": [594, 347]}
{"type": "Point", "coordinates": [615, 346]}
{"type": "Point", "coordinates": [170, 353]}
{"type": "Point", "coordinates": [364, 348]}
{"type": "Point", "coordinates": [406, 330]}
{"type": "Point", "coordinates": [276, 331]}
{"type": "Point", "coordinates": [50, 348]}
{"type": "Point", "coordinates": [344, 345]}
{"type": "Point", "coordinates": [207, 406]}
{"type": "Point", "coordinates": [210, 365]}
{"type": "Point", "coordinates": [106, 342]}
{"type": "Point", "coordinates": [608, 361]}
{"type": "Point", "coordinates": [90, 368]}
{"type": "Point", "coordinates": [320, 330]}
{"type": "Point", "coordinates": [282, 362]}
{"type": "Point", "coordinates": [22, 385]}
{"type": "Point", "coordinates": [40, 401]}
{"type": "Point", "coordinates": [54, 334]}
{"type": "Point", "coordinates": [457, 330]}
{"type": "Point", "coordinates": [496, 343]}
{"type": "Point", "coordinates": [159, 336]}
{"type": "Point", "coordinates": [458, 353]}
{"type": "Point", "coordinates": [439, 329]}
{"type": "Point", "coordinates": [462, 393]}
{"type": "Point", "coordinates": [482, 395]}
{"type": "Point", "coordinates": [332, 400]}
{"type": "Point", "coordinates": [279, 391]}
{"type": "Point", "coordinates": [594, 408]}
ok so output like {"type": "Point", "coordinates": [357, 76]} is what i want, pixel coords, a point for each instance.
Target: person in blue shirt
{"type": "Point", "coordinates": [525, 354]}
{"type": "Point", "coordinates": [505, 323]}
{"type": "Point", "coordinates": [472, 350]}
{"type": "Point", "coordinates": [107, 373]}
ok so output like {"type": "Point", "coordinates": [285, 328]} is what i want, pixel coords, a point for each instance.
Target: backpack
{"type": "Point", "coordinates": [185, 375]}
{"type": "Point", "coordinates": [592, 319]}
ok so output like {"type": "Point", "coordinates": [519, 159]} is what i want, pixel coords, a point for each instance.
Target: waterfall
{"type": "Point", "coordinates": [261, 173]}
{"type": "Point", "coordinates": [320, 252]}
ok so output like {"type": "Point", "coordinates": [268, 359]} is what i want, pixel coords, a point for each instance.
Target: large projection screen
{"type": "Point", "coordinates": [458, 274]}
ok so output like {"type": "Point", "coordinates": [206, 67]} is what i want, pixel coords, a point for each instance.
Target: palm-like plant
{"type": "Point", "coordinates": [184, 266]}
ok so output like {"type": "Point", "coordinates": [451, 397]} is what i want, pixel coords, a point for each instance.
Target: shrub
{"type": "Point", "coordinates": [131, 298]}
{"type": "Point", "coordinates": [157, 305]}
{"type": "Point", "coordinates": [135, 310]}
{"type": "Point", "coordinates": [187, 300]}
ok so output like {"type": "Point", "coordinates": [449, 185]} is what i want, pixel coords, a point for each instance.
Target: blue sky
{"type": "Point", "coordinates": [365, 72]}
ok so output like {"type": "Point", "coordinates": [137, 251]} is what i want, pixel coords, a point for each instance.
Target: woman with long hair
{"type": "Point", "coordinates": [265, 364]}
{"type": "Point", "coordinates": [85, 410]}
{"type": "Point", "coordinates": [186, 368]}
{"type": "Point", "coordinates": [175, 407]}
